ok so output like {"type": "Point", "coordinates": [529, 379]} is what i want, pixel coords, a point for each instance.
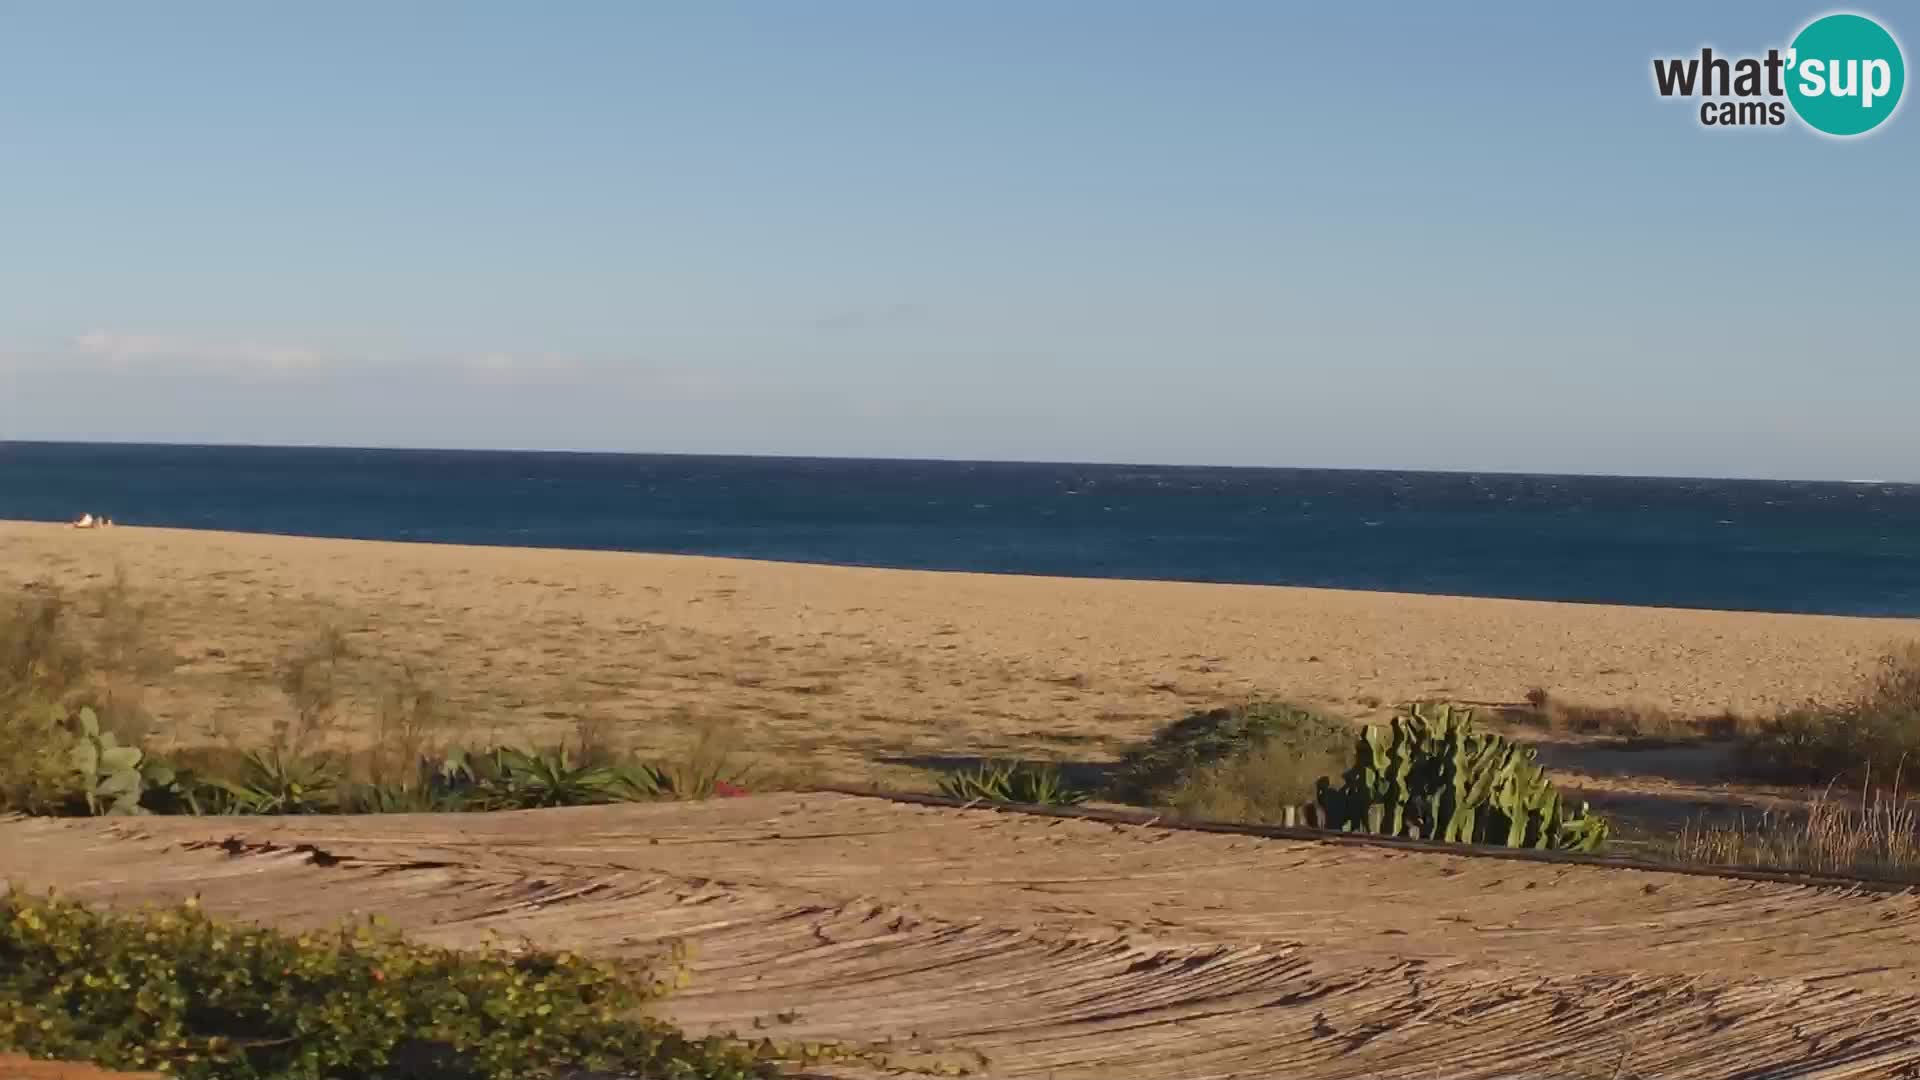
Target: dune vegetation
{"type": "Point", "coordinates": [72, 672]}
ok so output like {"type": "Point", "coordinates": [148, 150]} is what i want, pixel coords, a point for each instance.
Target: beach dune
{"type": "Point", "coordinates": [867, 672]}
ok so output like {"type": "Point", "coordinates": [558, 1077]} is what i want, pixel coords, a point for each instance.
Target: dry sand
{"type": "Point", "coordinates": [871, 673]}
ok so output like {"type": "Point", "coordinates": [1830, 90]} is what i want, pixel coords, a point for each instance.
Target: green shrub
{"type": "Point", "coordinates": [36, 769]}
{"type": "Point", "coordinates": [47, 660]}
{"type": "Point", "coordinates": [70, 717]}
{"type": "Point", "coordinates": [61, 763]}
{"type": "Point", "coordinates": [1265, 785]}
{"type": "Point", "coordinates": [1012, 782]}
{"type": "Point", "coordinates": [42, 665]}
{"type": "Point", "coordinates": [1876, 734]}
{"type": "Point", "coordinates": [1432, 775]}
{"type": "Point", "coordinates": [1255, 762]}
{"type": "Point", "coordinates": [176, 992]}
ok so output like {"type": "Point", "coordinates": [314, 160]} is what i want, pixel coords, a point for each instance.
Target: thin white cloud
{"type": "Point", "coordinates": [169, 354]}
{"type": "Point", "coordinates": [868, 317]}
{"type": "Point", "coordinates": [512, 365]}
{"type": "Point", "coordinates": [163, 352]}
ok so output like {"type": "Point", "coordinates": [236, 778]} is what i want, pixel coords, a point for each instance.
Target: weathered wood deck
{"type": "Point", "coordinates": [1076, 950]}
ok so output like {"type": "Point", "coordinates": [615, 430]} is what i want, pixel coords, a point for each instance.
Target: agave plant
{"type": "Point", "coordinates": [1012, 782]}
{"type": "Point", "coordinates": [449, 783]}
{"type": "Point", "coordinates": [1044, 785]}
{"type": "Point", "coordinates": [275, 783]}
{"type": "Point", "coordinates": [524, 779]}
{"type": "Point", "coordinates": [507, 778]}
{"type": "Point", "coordinates": [638, 782]}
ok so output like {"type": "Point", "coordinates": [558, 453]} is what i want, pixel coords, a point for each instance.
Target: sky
{"type": "Point", "coordinates": [1387, 235]}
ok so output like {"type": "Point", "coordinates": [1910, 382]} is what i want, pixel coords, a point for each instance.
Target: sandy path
{"type": "Point", "coordinates": [872, 671]}
{"type": "Point", "coordinates": [1076, 950]}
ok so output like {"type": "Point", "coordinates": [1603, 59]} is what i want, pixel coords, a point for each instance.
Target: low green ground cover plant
{"type": "Point", "coordinates": [174, 991]}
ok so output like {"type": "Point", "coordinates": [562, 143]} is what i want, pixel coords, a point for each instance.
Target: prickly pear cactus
{"type": "Point", "coordinates": [1430, 774]}
{"type": "Point", "coordinates": [109, 773]}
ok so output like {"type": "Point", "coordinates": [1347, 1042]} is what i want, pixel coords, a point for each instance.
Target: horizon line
{"type": "Point", "coordinates": [765, 456]}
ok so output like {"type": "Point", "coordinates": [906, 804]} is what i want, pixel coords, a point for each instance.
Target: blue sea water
{"type": "Point", "coordinates": [1733, 544]}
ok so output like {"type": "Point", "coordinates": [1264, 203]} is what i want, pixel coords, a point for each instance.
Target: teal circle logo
{"type": "Point", "coordinates": [1845, 74]}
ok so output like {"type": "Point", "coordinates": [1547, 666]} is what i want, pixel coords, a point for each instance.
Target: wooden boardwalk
{"type": "Point", "coordinates": [1031, 947]}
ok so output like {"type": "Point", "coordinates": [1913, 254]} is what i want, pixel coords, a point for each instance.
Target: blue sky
{"type": "Point", "coordinates": [1370, 235]}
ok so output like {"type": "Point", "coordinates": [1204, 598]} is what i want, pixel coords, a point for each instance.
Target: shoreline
{"type": "Point", "coordinates": [872, 672]}
{"type": "Point", "coordinates": [1914, 619]}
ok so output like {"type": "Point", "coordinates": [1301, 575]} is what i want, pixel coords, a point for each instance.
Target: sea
{"type": "Point", "coordinates": [1834, 548]}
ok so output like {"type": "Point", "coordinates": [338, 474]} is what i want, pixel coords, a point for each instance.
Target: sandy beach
{"type": "Point", "coordinates": [864, 673]}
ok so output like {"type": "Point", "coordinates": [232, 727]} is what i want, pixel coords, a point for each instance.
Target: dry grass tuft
{"type": "Point", "coordinates": [40, 655]}
{"type": "Point", "coordinates": [597, 739]}
{"type": "Point", "coordinates": [1879, 729]}
{"type": "Point", "coordinates": [311, 679]}
{"type": "Point", "coordinates": [712, 762]}
{"type": "Point", "coordinates": [93, 652]}
{"type": "Point", "coordinates": [411, 722]}
{"type": "Point", "coordinates": [56, 657]}
{"type": "Point", "coordinates": [1635, 722]}
{"type": "Point", "coordinates": [1876, 836]}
